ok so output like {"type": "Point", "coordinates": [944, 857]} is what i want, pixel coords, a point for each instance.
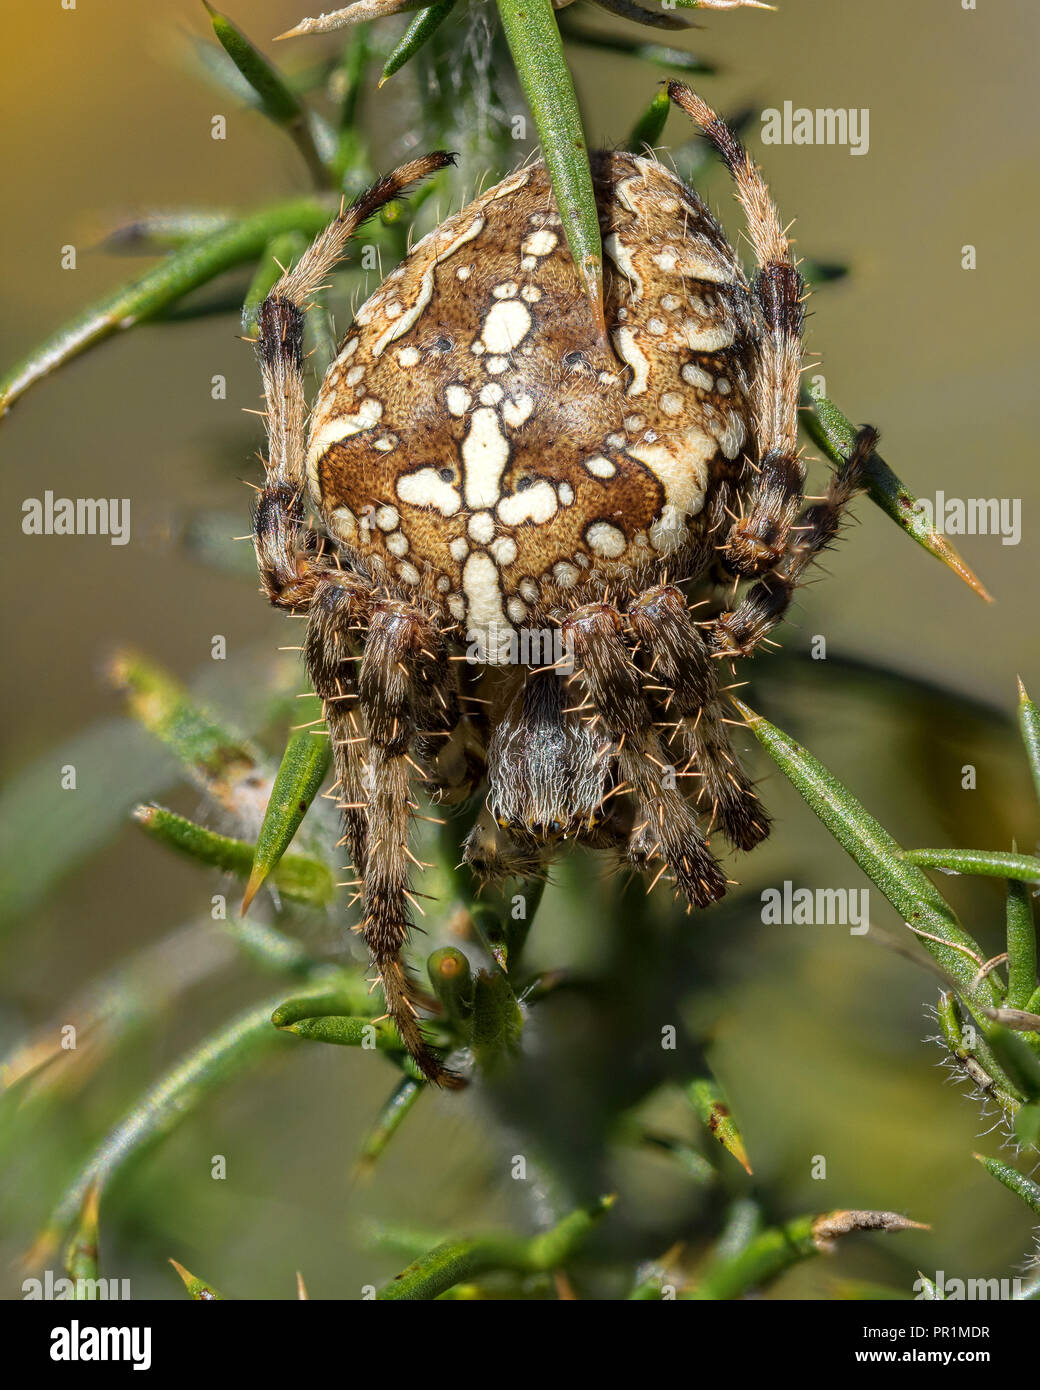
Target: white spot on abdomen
{"type": "Point", "coordinates": [628, 351]}
{"type": "Point", "coordinates": [515, 413]}
{"type": "Point", "coordinates": [536, 503]}
{"type": "Point", "coordinates": [481, 527]}
{"type": "Point", "coordinates": [485, 453]}
{"type": "Point", "coordinates": [457, 399]}
{"type": "Point", "coordinates": [622, 258]}
{"type": "Point", "coordinates": [709, 337]}
{"type": "Point", "coordinates": [696, 376]}
{"type": "Point", "coordinates": [506, 325]}
{"type": "Point", "coordinates": [681, 467]}
{"type": "Point", "coordinates": [600, 467]}
{"type": "Point", "coordinates": [425, 488]}
{"type": "Point", "coordinates": [605, 540]}
{"type": "Point", "coordinates": [485, 617]}
{"type": "Point", "coordinates": [539, 243]}
{"type": "Point", "coordinates": [504, 550]}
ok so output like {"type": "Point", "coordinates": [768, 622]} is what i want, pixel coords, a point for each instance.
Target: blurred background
{"type": "Point", "coordinates": [816, 1034]}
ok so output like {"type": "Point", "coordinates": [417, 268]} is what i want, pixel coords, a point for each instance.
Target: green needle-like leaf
{"type": "Point", "coordinates": [349, 1032]}
{"type": "Point", "coordinates": [201, 261]}
{"type": "Point", "coordinates": [352, 159]}
{"type": "Point", "coordinates": [81, 1253]}
{"type": "Point", "coordinates": [166, 1105]}
{"type": "Point", "coordinates": [303, 767]}
{"type": "Point", "coordinates": [984, 862]}
{"type": "Point", "coordinates": [713, 1112]}
{"type": "Point", "coordinates": [457, 1260]}
{"type": "Point", "coordinates": [909, 891]}
{"type": "Point", "coordinates": [504, 924]}
{"type": "Point", "coordinates": [297, 876]}
{"type": "Point", "coordinates": [269, 948]}
{"type": "Point", "coordinates": [949, 1015]}
{"type": "Point", "coordinates": [929, 1290]}
{"type": "Point", "coordinates": [343, 1017]}
{"type": "Point", "coordinates": [452, 983]}
{"type": "Point", "coordinates": [342, 996]}
{"type": "Point", "coordinates": [391, 1117]}
{"type": "Point", "coordinates": [1029, 723]}
{"type": "Point", "coordinates": [835, 435]}
{"type": "Point", "coordinates": [423, 26]}
{"type": "Point", "coordinates": [676, 59]}
{"type": "Point", "coordinates": [1013, 1180]}
{"type": "Point", "coordinates": [1027, 1125]}
{"type": "Point", "coordinates": [197, 1288]}
{"type": "Point", "coordinates": [1018, 1059]}
{"type": "Point", "coordinates": [218, 759]}
{"type": "Point", "coordinates": [156, 232]}
{"type": "Point", "coordinates": [277, 102]}
{"type": "Point", "coordinates": [627, 9]}
{"type": "Point", "coordinates": [647, 131]}
{"type": "Point", "coordinates": [768, 1255]}
{"type": "Point", "coordinates": [822, 272]}
{"type": "Point", "coordinates": [497, 1020]}
{"type": "Point", "coordinates": [692, 1163]}
{"type": "Point", "coordinates": [724, 5]}
{"type": "Point", "coordinates": [977, 1061]}
{"type": "Point", "coordinates": [537, 49]}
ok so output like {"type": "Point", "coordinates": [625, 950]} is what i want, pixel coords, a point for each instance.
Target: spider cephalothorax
{"type": "Point", "coordinates": [486, 468]}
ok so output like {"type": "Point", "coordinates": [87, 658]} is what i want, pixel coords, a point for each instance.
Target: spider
{"type": "Point", "coordinates": [484, 464]}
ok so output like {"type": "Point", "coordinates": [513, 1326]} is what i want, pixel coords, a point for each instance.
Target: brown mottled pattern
{"type": "Point", "coordinates": [535, 410]}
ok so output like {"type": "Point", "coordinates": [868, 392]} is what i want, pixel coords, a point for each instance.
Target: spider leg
{"type": "Point", "coordinates": [759, 537]}
{"type": "Point", "coordinates": [690, 709]}
{"type": "Point", "coordinates": [288, 575]}
{"type": "Point", "coordinates": [765, 541]}
{"type": "Point", "coordinates": [390, 702]}
{"type": "Point", "coordinates": [336, 620]}
{"type": "Point", "coordinates": [665, 827]}
{"type": "Point", "coordinates": [766, 602]}
{"type": "Point", "coordinates": [403, 669]}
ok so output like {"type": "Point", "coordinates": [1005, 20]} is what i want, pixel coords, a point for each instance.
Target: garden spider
{"type": "Point", "coordinates": [483, 464]}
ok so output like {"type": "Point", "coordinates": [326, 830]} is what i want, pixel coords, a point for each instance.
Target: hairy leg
{"type": "Point", "coordinates": [666, 827]}
{"type": "Point", "coordinates": [406, 694]}
{"type": "Point", "coordinates": [759, 537]}
{"type": "Point", "coordinates": [373, 714]}
{"type": "Point", "coordinates": [765, 603]}
{"type": "Point", "coordinates": [683, 689]}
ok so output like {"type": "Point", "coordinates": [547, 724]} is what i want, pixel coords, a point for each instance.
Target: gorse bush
{"type": "Point", "coordinates": [574, 1069]}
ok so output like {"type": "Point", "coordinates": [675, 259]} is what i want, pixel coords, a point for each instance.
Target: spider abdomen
{"type": "Point", "coordinates": [476, 441]}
